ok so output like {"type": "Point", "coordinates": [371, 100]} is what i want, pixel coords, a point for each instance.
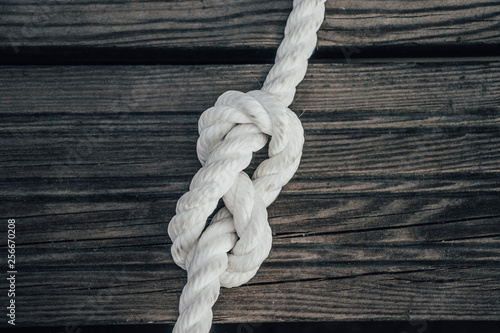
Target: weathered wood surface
{"type": "Point", "coordinates": [59, 26]}
{"type": "Point", "coordinates": [394, 212]}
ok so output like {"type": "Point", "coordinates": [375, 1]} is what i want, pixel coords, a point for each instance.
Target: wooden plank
{"type": "Point", "coordinates": [393, 213]}
{"type": "Point", "coordinates": [60, 28]}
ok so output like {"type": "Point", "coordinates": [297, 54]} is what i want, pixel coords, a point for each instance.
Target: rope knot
{"type": "Point", "coordinates": [238, 125]}
{"type": "Point", "coordinates": [231, 249]}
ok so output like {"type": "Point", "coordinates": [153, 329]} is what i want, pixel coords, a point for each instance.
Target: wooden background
{"type": "Point", "coordinates": [393, 214]}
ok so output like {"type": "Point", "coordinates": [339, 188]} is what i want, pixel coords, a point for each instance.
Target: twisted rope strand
{"type": "Point", "coordinates": [231, 249]}
{"type": "Point", "coordinates": [296, 48]}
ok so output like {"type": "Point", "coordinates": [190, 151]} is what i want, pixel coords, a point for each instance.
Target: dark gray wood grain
{"type": "Point", "coordinates": [244, 24]}
{"type": "Point", "coordinates": [393, 213]}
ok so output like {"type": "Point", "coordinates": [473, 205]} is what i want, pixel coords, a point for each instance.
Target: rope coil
{"type": "Point", "coordinates": [231, 249]}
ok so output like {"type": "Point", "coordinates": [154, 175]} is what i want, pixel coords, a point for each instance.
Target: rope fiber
{"type": "Point", "coordinates": [231, 249]}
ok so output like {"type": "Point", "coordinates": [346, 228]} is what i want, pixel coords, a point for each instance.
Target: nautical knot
{"type": "Point", "coordinates": [230, 132]}
{"type": "Point", "coordinates": [231, 249]}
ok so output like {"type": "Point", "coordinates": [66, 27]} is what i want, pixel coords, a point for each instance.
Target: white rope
{"type": "Point", "coordinates": [231, 249]}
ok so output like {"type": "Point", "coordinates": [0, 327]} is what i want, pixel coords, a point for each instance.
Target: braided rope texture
{"type": "Point", "coordinates": [231, 249]}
